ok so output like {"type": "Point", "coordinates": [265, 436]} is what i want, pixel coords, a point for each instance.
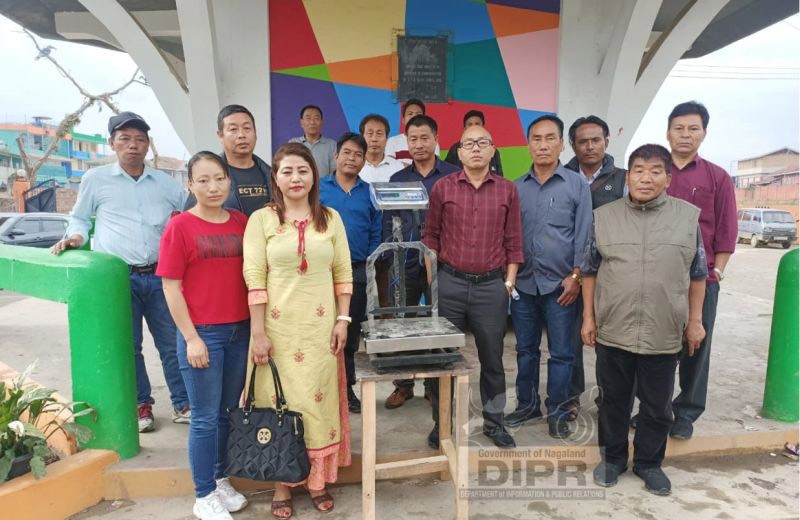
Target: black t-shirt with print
{"type": "Point", "coordinates": [252, 191]}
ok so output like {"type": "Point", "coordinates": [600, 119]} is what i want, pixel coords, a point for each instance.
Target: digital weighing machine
{"type": "Point", "coordinates": [402, 341]}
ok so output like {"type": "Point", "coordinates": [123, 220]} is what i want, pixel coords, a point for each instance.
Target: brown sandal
{"type": "Point", "coordinates": [282, 504]}
{"type": "Point", "coordinates": [318, 500]}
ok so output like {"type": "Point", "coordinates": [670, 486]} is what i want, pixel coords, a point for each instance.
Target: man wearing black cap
{"type": "Point", "coordinates": [131, 203]}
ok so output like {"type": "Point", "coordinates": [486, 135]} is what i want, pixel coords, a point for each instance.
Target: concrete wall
{"type": "Point", "coordinates": [65, 199]}
{"type": "Point", "coordinates": [502, 59]}
{"type": "Point", "coordinates": [775, 197]}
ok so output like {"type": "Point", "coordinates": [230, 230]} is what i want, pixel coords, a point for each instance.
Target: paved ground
{"type": "Point", "coordinates": [32, 329]}
{"type": "Point", "coordinates": [753, 486]}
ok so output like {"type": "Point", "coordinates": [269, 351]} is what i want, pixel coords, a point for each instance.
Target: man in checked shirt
{"type": "Point", "coordinates": [473, 226]}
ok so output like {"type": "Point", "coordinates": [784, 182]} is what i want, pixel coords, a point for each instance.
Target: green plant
{"type": "Point", "coordinates": [29, 415]}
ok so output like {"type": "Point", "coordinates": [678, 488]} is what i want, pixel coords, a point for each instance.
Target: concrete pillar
{"type": "Point", "coordinates": [608, 68]}
{"type": "Point", "coordinates": [196, 21]}
{"type": "Point", "coordinates": [243, 69]}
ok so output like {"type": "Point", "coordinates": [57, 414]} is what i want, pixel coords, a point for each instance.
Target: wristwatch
{"type": "Point", "coordinates": [348, 319]}
{"type": "Point", "coordinates": [577, 277]}
{"type": "Point", "coordinates": [720, 276]}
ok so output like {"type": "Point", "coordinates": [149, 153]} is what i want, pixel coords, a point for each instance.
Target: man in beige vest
{"type": "Point", "coordinates": [643, 291]}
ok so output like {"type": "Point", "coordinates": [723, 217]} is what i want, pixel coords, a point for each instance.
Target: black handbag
{"type": "Point", "coordinates": [266, 443]}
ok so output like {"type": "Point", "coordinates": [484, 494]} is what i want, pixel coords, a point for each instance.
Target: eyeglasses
{"type": "Point", "coordinates": [469, 144]}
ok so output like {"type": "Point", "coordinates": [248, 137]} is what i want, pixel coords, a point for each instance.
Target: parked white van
{"type": "Point", "coordinates": [764, 226]}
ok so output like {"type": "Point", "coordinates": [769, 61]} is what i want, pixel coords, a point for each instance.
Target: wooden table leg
{"type": "Point", "coordinates": [445, 414]}
{"type": "Point", "coordinates": [368, 442]}
{"type": "Point", "coordinates": [461, 480]}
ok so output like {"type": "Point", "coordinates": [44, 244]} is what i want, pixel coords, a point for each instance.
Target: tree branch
{"type": "Point", "coordinates": [71, 120]}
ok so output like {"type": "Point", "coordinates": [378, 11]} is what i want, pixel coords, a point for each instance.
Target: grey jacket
{"type": "Point", "coordinates": [644, 256]}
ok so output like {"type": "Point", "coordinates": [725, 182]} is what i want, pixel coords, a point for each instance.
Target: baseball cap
{"type": "Point", "coordinates": [129, 119]}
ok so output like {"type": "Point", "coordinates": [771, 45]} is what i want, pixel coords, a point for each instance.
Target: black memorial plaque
{"type": "Point", "coordinates": [422, 68]}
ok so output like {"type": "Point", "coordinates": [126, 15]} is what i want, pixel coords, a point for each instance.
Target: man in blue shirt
{"type": "Point", "coordinates": [347, 193]}
{"type": "Point", "coordinates": [556, 220]}
{"type": "Point", "coordinates": [422, 135]}
{"type": "Point", "coordinates": [132, 203]}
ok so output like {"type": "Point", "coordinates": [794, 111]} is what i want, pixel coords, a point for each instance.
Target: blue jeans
{"type": "Point", "coordinates": [531, 315]}
{"type": "Point", "coordinates": [147, 301]}
{"type": "Point", "coordinates": [212, 391]}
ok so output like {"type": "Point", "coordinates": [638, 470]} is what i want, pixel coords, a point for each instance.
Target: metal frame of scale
{"type": "Point", "coordinates": [401, 341]}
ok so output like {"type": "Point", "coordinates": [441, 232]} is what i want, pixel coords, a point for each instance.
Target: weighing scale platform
{"type": "Point", "coordinates": [405, 334]}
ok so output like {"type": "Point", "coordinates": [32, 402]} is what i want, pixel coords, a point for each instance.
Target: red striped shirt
{"type": "Point", "coordinates": [475, 230]}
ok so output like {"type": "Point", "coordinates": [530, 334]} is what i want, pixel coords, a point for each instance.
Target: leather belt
{"type": "Point", "coordinates": [471, 277]}
{"type": "Point", "coordinates": [142, 268]}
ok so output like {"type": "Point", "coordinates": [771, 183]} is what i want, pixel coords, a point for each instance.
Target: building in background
{"type": "Point", "coordinates": [771, 181]}
{"type": "Point", "coordinates": [75, 154]}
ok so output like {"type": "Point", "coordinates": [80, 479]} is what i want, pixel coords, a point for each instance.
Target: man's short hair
{"type": "Point", "coordinates": [414, 101]}
{"type": "Point", "coordinates": [547, 117]}
{"type": "Point", "coordinates": [688, 108]}
{"type": "Point", "coordinates": [230, 110]}
{"type": "Point", "coordinates": [310, 107]}
{"type": "Point", "coordinates": [588, 120]}
{"type": "Point", "coordinates": [651, 151]}
{"type": "Point", "coordinates": [423, 120]}
{"type": "Point", "coordinates": [474, 113]}
{"type": "Point", "coordinates": [351, 136]}
{"type": "Point", "coordinates": [373, 117]}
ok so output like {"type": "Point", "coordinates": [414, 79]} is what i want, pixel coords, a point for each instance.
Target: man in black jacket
{"type": "Point", "coordinates": [251, 183]}
{"type": "Point", "coordinates": [589, 139]}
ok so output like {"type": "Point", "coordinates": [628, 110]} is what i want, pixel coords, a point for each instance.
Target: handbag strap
{"type": "Point", "coordinates": [280, 399]}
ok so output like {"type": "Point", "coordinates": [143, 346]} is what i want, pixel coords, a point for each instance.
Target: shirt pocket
{"type": "Point", "coordinates": [701, 197]}
{"type": "Point", "coordinates": [560, 213]}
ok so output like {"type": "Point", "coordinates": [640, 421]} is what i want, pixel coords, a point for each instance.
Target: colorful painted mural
{"type": "Point", "coordinates": [341, 55]}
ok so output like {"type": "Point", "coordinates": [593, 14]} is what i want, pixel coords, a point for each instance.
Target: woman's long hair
{"type": "Point", "coordinates": [319, 214]}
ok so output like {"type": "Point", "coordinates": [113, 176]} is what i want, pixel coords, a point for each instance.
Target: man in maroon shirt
{"type": "Point", "coordinates": [710, 188]}
{"type": "Point", "coordinates": [473, 226]}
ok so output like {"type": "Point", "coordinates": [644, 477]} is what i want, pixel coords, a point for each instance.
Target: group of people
{"type": "Point", "coordinates": [265, 261]}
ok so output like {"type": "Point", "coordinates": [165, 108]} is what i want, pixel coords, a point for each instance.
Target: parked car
{"type": "Point", "coordinates": [767, 226]}
{"type": "Point", "coordinates": [32, 229]}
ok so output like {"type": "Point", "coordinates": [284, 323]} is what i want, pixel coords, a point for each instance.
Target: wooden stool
{"type": "Point", "coordinates": [452, 458]}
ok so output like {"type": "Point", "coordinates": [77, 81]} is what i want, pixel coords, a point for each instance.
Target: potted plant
{"type": "Point", "coordinates": [29, 416]}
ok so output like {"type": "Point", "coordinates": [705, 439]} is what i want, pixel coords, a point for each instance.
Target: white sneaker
{"type": "Point", "coordinates": [210, 508]}
{"type": "Point", "coordinates": [230, 498]}
{"type": "Point", "coordinates": [182, 416]}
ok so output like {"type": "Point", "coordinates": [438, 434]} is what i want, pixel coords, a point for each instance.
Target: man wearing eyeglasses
{"type": "Point", "coordinates": [473, 226]}
{"type": "Point", "coordinates": [422, 135]}
{"type": "Point", "coordinates": [556, 221]}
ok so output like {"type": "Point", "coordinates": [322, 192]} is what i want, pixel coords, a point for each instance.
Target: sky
{"type": "Point", "coordinates": [754, 109]}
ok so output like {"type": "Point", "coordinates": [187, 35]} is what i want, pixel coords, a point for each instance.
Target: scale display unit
{"type": "Point", "coordinates": [401, 341]}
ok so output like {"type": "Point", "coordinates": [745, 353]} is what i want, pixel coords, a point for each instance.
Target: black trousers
{"type": "Point", "coordinates": [482, 309]}
{"type": "Point", "coordinates": [693, 370]}
{"type": "Point", "coordinates": [358, 311]}
{"type": "Point", "coordinates": [655, 376]}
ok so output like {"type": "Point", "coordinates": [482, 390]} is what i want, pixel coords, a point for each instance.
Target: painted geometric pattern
{"type": "Point", "coordinates": [341, 56]}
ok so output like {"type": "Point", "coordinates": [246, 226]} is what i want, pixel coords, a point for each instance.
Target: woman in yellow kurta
{"type": "Point", "coordinates": [298, 272]}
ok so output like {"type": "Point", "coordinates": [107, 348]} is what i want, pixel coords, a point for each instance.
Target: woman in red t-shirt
{"type": "Point", "coordinates": [201, 266]}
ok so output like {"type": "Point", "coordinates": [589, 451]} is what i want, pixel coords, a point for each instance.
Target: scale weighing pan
{"type": "Point", "coordinates": [405, 334]}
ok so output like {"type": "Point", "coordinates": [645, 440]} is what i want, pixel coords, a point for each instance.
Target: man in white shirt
{"type": "Point", "coordinates": [397, 145]}
{"type": "Point", "coordinates": [378, 166]}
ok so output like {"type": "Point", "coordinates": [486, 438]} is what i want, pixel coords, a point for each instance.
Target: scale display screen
{"type": "Point", "coordinates": [399, 195]}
